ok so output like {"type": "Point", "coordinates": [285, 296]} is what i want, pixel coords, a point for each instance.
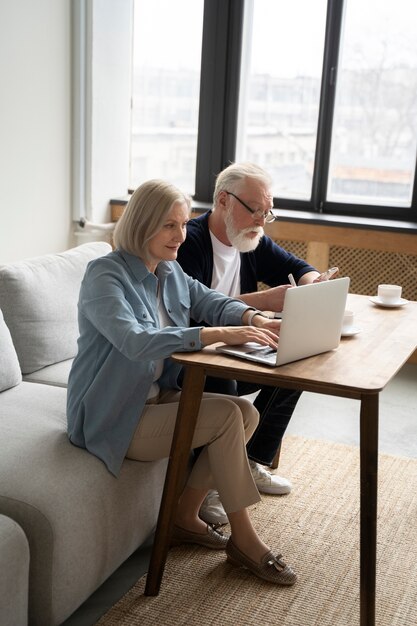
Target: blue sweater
{"type": "Point", "coordinates": [268, 263]}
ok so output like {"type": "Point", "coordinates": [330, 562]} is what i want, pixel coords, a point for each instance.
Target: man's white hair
{"type": "Point", "coordinates": [231, 177]}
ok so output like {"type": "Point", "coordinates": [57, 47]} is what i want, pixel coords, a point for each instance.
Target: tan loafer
{"type": "Point", "coordinates": [272, 568]}
{"type": "Point", "coordinates": [214, 538]}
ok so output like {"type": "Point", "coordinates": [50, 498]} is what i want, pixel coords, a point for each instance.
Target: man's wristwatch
{"type": "Point", "coordinates": [252, 315]}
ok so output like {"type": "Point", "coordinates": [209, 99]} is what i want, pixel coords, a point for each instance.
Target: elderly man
{"type": "Point", "coordinates": [227, 250]}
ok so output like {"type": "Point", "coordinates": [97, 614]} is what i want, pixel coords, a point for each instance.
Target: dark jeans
{"type": "Point", "coordinates": [275, 406]}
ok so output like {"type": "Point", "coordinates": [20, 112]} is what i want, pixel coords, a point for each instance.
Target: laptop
{"type": "Point", "coordinates": [311, 324]}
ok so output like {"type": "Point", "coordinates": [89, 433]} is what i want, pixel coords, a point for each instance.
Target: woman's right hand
{"type": "Point", "coordinates": [235, 335]}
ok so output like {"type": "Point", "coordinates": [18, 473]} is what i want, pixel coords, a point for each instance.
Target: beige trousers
{"type": "Point", "coordinates": [224, 425]}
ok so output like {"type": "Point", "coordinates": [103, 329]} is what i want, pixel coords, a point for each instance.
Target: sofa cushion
{"type": "Point", "coordinates": [39, 299]}
{"type": "Point", "coordinates": [56, 374]}
{"type": "Point", "coordinates": [10, 374]}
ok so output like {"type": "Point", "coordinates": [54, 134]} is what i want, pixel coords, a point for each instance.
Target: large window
{"type": "Point", "coordinates": [165, 91]}
{"type": "Point", "coordinates": [374, 135]}
{"type": "Point", "coordinates": [280, 91]}
{"type": "Point", "coordinates": [322, 94]}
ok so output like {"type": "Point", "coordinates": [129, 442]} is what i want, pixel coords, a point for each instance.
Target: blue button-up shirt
{"type": "Point", "coordinates": [120, 340]}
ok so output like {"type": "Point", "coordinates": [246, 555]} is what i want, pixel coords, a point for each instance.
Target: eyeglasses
{"type": "Point", "coordinates": [268, 216]}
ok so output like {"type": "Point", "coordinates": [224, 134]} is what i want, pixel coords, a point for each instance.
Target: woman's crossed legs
{"type": "Point", "coordinates": [224, 425]}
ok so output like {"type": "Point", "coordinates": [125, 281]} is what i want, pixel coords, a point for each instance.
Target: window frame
{"type": "Point", "coordinates": [218, 116]}
{"type": "Point", "coordinates": [95, 180]}
{"type": "Point", "coordinates": [219, 92]}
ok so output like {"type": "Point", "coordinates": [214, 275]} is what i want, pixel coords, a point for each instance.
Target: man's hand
{"type": "Point", "coordinates": [271, 299]}
{"type": "Point", "coordinates": [266, 322]}
{"type": "Point", "coordinates": [332, 272]}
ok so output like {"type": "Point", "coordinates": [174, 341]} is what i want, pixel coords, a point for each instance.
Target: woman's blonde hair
{"type": "Point", "coordinates": [144, 215]}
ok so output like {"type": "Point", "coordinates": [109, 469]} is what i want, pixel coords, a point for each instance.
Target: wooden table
{"type": "Point", "coordinates": [360, 368]}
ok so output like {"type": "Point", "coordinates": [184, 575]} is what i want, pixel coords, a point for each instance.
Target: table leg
{"type": "Point", "coordinates": [188, 408]}
{"type": "Point", "coordinates": [368, 506]}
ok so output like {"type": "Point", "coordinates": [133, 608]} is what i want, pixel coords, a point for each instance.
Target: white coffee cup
{"type": "Point", "coordinates": [389, 294]}
{"type": "Point", "coordinates": [348, 319]}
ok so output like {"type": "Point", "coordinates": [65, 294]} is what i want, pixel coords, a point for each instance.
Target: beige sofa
{"type": "Point", "coordinates": [80, 522]}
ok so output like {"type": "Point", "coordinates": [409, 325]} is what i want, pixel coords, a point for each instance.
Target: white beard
{"type": "Point", "coordinates": [239, 238]}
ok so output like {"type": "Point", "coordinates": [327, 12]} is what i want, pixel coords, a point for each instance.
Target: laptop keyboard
{"type": "Point", "coordinates": [263, 351]}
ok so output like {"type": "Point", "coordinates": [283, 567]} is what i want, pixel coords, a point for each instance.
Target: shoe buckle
{"type": "Point", "coordinates": [277, 562]}
{"type": "Point", "coordinates": [217, 528]}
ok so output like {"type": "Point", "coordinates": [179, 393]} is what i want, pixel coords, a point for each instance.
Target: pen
{"type": "Point", "coordinates": [292, 281]}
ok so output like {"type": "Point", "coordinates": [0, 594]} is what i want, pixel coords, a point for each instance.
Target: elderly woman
{"type": "Point", "coordinates": [135, 307]}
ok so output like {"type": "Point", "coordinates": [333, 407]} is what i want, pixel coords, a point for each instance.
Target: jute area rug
{"type": "Point", "coordinates": [317, 529]}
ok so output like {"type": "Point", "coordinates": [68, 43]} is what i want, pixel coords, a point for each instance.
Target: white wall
{"type": "Point", "coordinates": [35, 129]}
{"type": "Point", "coordinates": [110, 106]}
{"type": "Point", "coordinates": [101, 96]}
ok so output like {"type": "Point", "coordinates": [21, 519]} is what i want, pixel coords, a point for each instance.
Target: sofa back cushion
{"type": "Point", "coordinates": [39, 299]}
{"type": "Point", "coordinates": [10, 374]}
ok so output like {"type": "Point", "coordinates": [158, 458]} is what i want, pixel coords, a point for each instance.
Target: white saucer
{"type": "Point", "coordinates": [349, 332]}
{"type": "Point", "coordinates": [392, 305]}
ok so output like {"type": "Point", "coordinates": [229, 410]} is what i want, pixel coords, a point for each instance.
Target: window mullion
{"type": "Point", "coordinates": [219, 88]}
{"type": "Point", "coordinates": [233, 61]}
{"type": "Point", "coordinates": [327, 101]}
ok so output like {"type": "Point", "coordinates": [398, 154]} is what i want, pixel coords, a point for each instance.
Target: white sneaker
{"type": "Point", "coordinates": [267, 482]}
{"type": "Point", "coordinates": [212, 511]}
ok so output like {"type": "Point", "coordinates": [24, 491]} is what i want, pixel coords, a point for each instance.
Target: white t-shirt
{"type": "Point", "coordinates": [226, 268]}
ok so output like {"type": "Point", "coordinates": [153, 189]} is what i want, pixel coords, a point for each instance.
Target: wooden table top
{"type": "Point", "coordinates": [364, 362]}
